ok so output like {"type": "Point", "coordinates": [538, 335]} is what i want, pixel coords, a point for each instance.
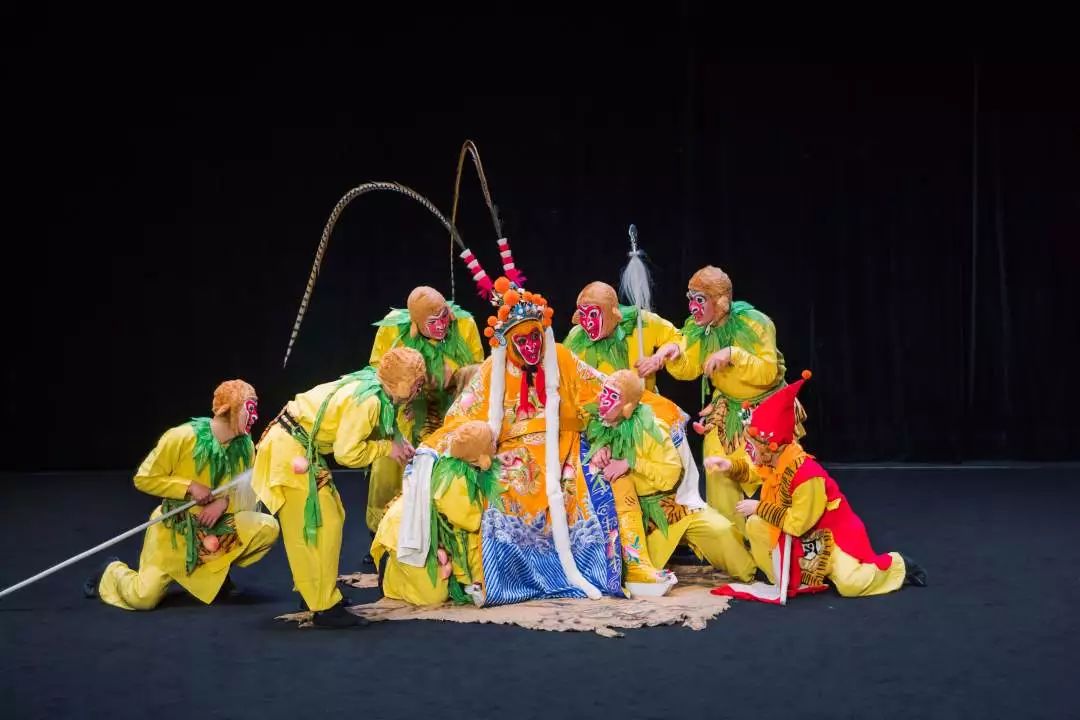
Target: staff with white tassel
{"type": "Point", "coordinates": [636, 286]}
{"type": "Point", "coordinates": [235, 483]}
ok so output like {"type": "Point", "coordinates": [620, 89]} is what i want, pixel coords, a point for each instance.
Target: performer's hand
{"type": "Point", "coordinates": [210, 514]}
{"type": "Point", "coordinates": [717, 463]}
{"type": "Point", "coordinates": [199, 493]}
{"type": "Point", "coordinates": [719, 359]}
{"type": "Point", "coordinates": [648, 366]}
{"type": "Point", "coordinates": [402, 451]}
{"type": "Point", "coordinates": [615, 470]}
{"type": "Point", "coordinates": [746, 508]}
{"type": "Point", "coordinates": [601, 458]}
{"type": "Point", "coordinates": [652, 364]}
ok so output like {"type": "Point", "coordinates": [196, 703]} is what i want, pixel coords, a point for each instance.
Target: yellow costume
{"type": "Point", "coordinates": [414, 584]}
{"type": "Point", "coordinates": [755, 370]}
{"type": "Point", "coordinates": [352, 418]}
{"type": "Point", "coordinates": [614, 326]}
{"type": "Point", "coordinates": [461, 346]}
{"type": "Point", "coordinates": [648, 493]}
{"type": "Point", "coordinates": [178, 549]}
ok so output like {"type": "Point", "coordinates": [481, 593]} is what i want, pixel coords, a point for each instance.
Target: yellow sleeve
{"type": "Point", "coordinates": [156, 475]}
{"type": "Point", "coordinates": [687, 366]}
{"type": "Point", "coordinates": [658, 331]}
{"type": "Point", "coordinates": [807, 506]}
{"type": "Point", "coordinates": [471, 335]}
{"type": "Point", "coordinates": [760, 367]}
{"type": "Point", "coordinates": [455, 505]}
{"type": "Point", "coordinates": [470, 404]}
{"type": "Point", "coordinates": [352, 448]}
{"type": "Point", "coordinates": [657, 467]}
{"type": "Point", "coordinates": [385, 339]}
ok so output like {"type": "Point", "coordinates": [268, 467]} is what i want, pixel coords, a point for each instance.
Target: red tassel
{"type": "Point", "coordinates": [484, 286]}
{"type": "Point", "coordinates": [524, 406]}
{"type": "Point", "coordinates": [541, 386]}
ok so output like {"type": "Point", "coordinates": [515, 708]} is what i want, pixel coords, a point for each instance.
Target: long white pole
{"type": "Point", "coordinates": [242, 477]}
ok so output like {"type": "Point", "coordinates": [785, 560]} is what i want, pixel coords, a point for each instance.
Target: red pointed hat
{"type": "Point", "coordinates": [773, 421]}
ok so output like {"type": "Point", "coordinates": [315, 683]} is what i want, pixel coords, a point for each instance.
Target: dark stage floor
{"type": "Point", "coordinates": [994, 636]}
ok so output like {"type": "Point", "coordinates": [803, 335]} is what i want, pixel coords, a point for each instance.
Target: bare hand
{"type": "Point", "coordinates": [200, 493]}
{"type": "Point", "coordinates": [648, 366]}
{"type": "Point", "coordinates": [717, 463]}
{"type": "Point", "coordinates": [616, 469]}
{"type": "Point", "coordinates": [210, 514]}
{"type": "Point", "coordinates": [746, 508]}
{"type": "Point", "coordinates": [718, 360]}
{"type": "Point", "coordinates": [601, 458]}
{"type": "Point", "coordinates": [402, 451]}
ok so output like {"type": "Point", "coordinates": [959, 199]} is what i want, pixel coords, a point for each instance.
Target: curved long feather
{"type": "Point", "coordinates": [328, 229]}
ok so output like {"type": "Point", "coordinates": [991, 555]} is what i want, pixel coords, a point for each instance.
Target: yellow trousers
{"type": "Point", "coordinates": [711, 536]}
{"type": "Point", "coordinates": [722, 491]}
{"type": "Point", "coordinates": [122, 587]}
{"type": "Point", "coordinates": [410, 583]}
{"type": "Point", "coordinates": [384, 484]}
{"type": "Point", "coordinates": [637, 558]}
{"type": "Point", "coordinates": [314, 567]}
{"type": "Point", "coordinates": [850, 577]}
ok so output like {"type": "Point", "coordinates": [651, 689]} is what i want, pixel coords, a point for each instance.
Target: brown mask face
{"type": "Point", "coordinates": [474, 443]}
{"type": "Point", "coordinates": [236, 400]}
{"type": "Point", "coordinates": [709, 296]}
{"type": "Point", "coordinates": [429, 312]}
{"type": "Point", "coordinates": [402, 373]}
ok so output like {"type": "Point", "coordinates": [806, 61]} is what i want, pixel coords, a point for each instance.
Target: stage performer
{"type": "Point", "coordinates": [555, 535]}
{"type": "Point", "coordinates": [731, 346]}
{"type": "Point", "coordinates": [449, 341]}
{"type": "Point", "coordinates": [803, 531]}
{"type": "Point", "coordinates": [355, 419]}
{"type": "Point", "coordinates": [635, 451]}
{"type": "Point", "coordinates": [464, 481]}
{"type": "Point", "coordinates": [195, 549]}
{"type": "Point", "coordinates": [606, 336]}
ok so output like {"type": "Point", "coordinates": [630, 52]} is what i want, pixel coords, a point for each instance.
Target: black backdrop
{"type": "Point", "coordinates": [910, 227]}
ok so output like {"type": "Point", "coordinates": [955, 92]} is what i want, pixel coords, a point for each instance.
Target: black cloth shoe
{"type": "Point", "coordinates": [90, 585]}
{"type": "Point", "coordinates": [337, 617]}
{"type": "Point", "coordinates": [915, 574]}
{"type": "Point", "coordinates": [228, 591]}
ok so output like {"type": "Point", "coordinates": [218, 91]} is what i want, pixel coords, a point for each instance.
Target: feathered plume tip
{"type": "Point", "coordinates": [484, 284]}
{"type": "Point", "coordinates": [509, 268]}
{"type": "Point", "coordinates": [635, 283]}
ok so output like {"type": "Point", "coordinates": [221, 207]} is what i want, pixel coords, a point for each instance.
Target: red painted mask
{"type": "Point", "coordinates": [610, 401]}
{"type": "Point", "coordinates": [591, 319]}
{"type": "Point", "coordinates": [529, 346]}
{"type": "Point", "coordinates": [702, 307]}
{"type": "Point", "coordinates": [251, 408]}
{"type": "Point", "coordinates": [438, 325]}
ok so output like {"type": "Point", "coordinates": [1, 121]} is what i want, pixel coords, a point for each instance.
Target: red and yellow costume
{"type": "Point", "coordinates": [804, 531]}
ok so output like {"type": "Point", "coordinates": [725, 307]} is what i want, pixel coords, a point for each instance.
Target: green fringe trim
{"type": "Point", "coordinates": [481, 483]}
{"type": "Point", "coordinates": [186, 525]}
{"type": "Point", "coordinates": [652, 511]}
{"type": "Point", "coordinates": [733, 332]}
{"type": "Point", "coordinates": [612, 349]}
{"type": "Point", "coordinates": [226, 460]}
{"type": "Point", "coordinates": [368, 386]}
{"type": "Point", "coordinates": [452, 347]}
{"type": "Point", "coordinates": [622, 437]}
